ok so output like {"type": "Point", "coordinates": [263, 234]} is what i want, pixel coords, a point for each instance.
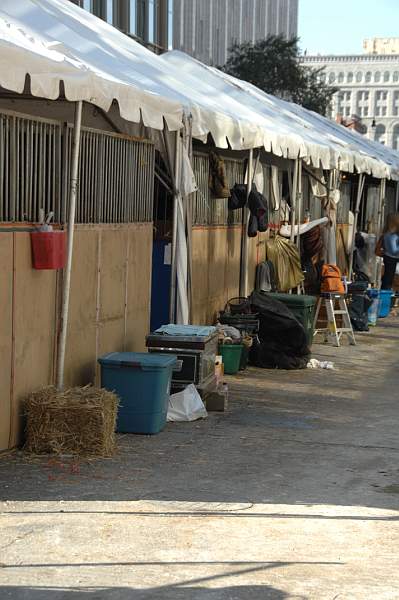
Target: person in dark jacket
{"type": "Point", "coordinates": [391, 250]}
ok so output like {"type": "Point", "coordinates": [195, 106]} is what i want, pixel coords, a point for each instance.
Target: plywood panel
{"type": "Point", "coordinates": [109, 310]}
{"type": "Point", "coordinates": [217, 262]}
{"type": "Point", "coordinates": [138, 287]}
{"type": "Point", "coordinates": [200, 239]}
{"type": "Point", "coordinates": [200, 273]}
{"type": "Point", "coordinates": [113, 273]}
{"type": "Point", "coordinates": [216, 265]}
{"type": "Point", "coordinates": [80, 358]}
{"type": "Point", "coordinates": [34, 297]}
{"type": "Point", "coordinates": [6, 285]}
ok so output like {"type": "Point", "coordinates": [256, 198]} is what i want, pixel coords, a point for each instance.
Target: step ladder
{"type": "Point", "coordinates": [332, 332]}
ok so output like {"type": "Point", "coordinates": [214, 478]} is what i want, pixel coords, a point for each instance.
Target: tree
{"type": "Point", "coordinates": [273, 66]}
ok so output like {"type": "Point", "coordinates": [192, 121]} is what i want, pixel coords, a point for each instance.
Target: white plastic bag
{"type": "Point", "coordinates": [320, 364]}
{"type": "Point", "coordinates": [186, 405]}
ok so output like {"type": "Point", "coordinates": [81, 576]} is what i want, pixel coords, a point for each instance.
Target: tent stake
{"type": "Point", "coordinates": [71, 227]}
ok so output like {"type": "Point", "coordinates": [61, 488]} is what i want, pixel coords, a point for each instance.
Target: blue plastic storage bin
{"type": "Point", "coordinates": [385, 303]}
{"type": "Point", "coordinates": [142, 382]}
{"type": "Point", "coordinates": [374, 295]}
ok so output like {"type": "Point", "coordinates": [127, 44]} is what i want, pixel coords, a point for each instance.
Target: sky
{"type": "Point", "coordinates": [339, 26]}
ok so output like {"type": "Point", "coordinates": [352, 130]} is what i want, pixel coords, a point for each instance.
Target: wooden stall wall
{"type": "Point", "coordinates": [109, 311]}
{"type": "Point", "coordinates": [216, 268]}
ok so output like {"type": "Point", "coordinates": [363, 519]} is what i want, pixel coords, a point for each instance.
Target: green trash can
{"type": "Point", "coordinates": [231, 354]}
{"type": "Point", "coordinates": [302, 307]}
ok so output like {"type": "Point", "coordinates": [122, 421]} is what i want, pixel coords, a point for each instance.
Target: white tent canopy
{"type": "Point", "coordinates": [54, 41]}
{"type": "Point", "coordinates": [365, 150]}
{"type": "Point", "coordinates": [283, 128]}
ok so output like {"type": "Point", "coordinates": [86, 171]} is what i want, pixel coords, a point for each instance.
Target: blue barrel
{"type": "Point", "coordinates": [142, 382]}
{"type": "Point", "coordinates": [385, 303]}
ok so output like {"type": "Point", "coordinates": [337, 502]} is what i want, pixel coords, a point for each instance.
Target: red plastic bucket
{"type": "Point", "coordinates": [48, 249]}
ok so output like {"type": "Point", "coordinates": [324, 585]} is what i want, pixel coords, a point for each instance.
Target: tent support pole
{"type": "Point", "coordinates": [189, 223]}
{"type": "Point", "coordinates": [244, 233]}
{"type": "Point", "coordinates": [299, 201]}
{"type": "Point", "coordinates": [380, 225]}
{"type": "Point", "coordinates": [294, 198]}
{"type": "Point", "coordinates": [172, 307]}
{"type": "Point", "coordinates": [381, 205]}
{"type": "Point", "coordinates": [355, 222]}
{"type": "Point", "coordinates": [71, 227]}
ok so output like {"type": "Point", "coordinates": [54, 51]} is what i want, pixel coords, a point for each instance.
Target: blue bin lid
{"type": "Point", "coordinates": [138, 360]}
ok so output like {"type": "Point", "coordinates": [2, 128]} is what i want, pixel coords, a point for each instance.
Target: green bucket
{"type": "Point", "coordinates": [231, 354]}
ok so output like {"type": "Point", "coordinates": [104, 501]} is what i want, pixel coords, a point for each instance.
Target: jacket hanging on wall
{"type": "Point", "coordinates": [238, 196]}
{"type": "Point", "coordinates": [218, 183]}
{"type": "Point", "coordinates": [258, 207]}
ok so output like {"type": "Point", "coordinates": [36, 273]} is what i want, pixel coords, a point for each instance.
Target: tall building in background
{"type": "Point", "coordinates": [146, 20]}
{"type": "Point", "coordinates": [206, 29]}
{"type": "Point", "coordinates": [368, 85]}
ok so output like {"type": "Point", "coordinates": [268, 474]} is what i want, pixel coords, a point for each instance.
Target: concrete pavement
{"type": "Point", "coordinates": [291, 494]}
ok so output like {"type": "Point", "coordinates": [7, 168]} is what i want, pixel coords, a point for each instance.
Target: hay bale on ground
{"type": "Point", "coordinates": [76, 421]}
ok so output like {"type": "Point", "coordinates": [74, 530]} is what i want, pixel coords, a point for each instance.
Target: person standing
{"type": "Point", "coordinates": [391, 250]}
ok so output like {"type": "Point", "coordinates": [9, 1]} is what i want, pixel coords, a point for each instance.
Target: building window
{"type": "Point", "coordinates": [109, 11]}
{"type": "Point", "coordinates": [377, 76]}
{"type": "Point", "coordinates": [395, 76]}
{"type": "Point", "coordinates": [343, 103]}
{"type": "Point", "coordinates": [368, 77]}
{"type": "Point", "coordinates": [386, 76]}
{"type": "Point", "coordinates": [395, 137]}
{"type": "Point", "coordinates": [331, 77]}
{"type": "Point", "coordinates": [359, 76]}
{"type": "Point", "coordinates": [381, 100]}
{"type": "Point", "coordinates": [395, 108]}
{"type": "Point", "coordinates": [349, 77]}
{"type": "Point", "coordinates": [380, 133]}
{"type": "Point", "coordinates": [341, 77]}
{"type": "Point", "coordinates": [362, 103]}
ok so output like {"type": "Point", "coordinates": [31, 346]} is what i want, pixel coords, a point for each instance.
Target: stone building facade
{"type": "Point", "coordinates": [368, 89]}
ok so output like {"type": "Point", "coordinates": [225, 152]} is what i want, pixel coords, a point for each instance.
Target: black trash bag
{"type": "Point", "coordinates": [358, 312]}
{"type": "Point", "coordinates": [238, 196]}
{"type": "Point", "coordinates": [252, 226]}
{"type": "Point", "coordinates": [263, 355]}
{"type": "Point", "coordinates": [258, 207]}
{"type": "Point", "coordinates": [282, 340]}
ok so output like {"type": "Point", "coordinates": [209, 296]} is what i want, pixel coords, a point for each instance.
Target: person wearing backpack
{"type": "Point", "coordinates": [390, 243]}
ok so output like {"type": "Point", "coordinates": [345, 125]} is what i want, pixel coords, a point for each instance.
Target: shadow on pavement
{"type": "Point", "coordinates": [256, 592]}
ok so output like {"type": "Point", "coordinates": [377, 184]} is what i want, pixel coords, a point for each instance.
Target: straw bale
{"type": "Point", "coordinates": [75, 421]}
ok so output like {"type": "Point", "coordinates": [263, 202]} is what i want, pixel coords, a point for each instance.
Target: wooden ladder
{"type": "Point", "coordinates": [332, 331]}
